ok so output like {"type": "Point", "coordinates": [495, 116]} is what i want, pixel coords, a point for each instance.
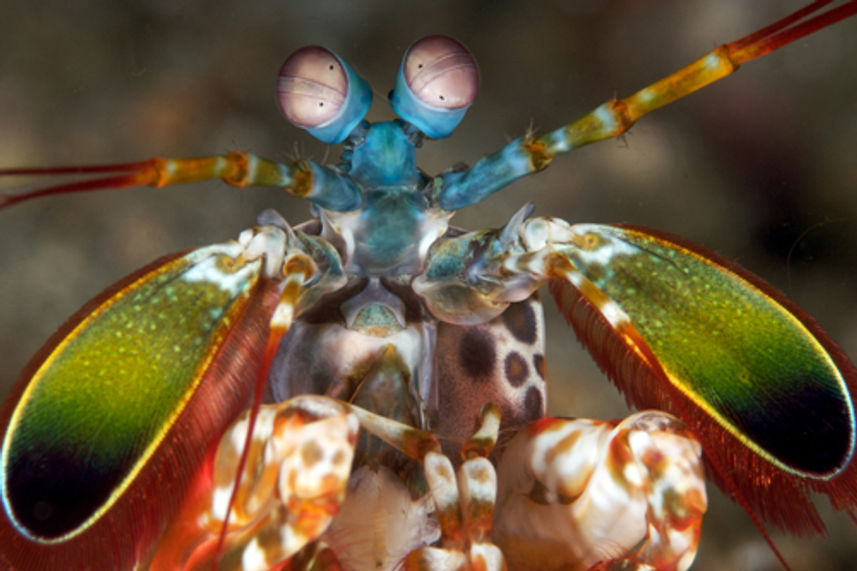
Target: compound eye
{"type": "Point", "coordinates": [311, 87]}
{"type": "Point", "coordinates": [437, 82]}
{"type": "Point", "coordinates": [317, 91]}
{"type": "Point", "coordinates": [441, 73]}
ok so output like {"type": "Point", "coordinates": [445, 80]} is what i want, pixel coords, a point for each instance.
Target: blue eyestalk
{"type": "Point", "coordinates": [319, 92]}
{"type": "Point", "coordinates": [437, 82]}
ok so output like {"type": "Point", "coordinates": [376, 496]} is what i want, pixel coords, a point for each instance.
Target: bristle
{"type": "Point", "coordinates": [774, 496]}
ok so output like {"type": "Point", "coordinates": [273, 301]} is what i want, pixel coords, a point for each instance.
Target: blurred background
{"type": "Point", "coordinates": [759, 167]}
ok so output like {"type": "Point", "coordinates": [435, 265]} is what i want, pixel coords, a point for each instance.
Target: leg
{"type": "Point", "coordinates": [293, 482]}
{"type": "Point", "coordinates": [577, 493]}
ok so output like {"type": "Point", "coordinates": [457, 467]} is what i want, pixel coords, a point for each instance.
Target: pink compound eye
{"type": "Point", "coordinates": [312, 87]}
{"type": "Point", "coordinates": [441, 73]}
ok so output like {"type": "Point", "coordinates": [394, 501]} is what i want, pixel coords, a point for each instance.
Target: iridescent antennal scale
{"type": "Point", "coordinates": [406, 361]}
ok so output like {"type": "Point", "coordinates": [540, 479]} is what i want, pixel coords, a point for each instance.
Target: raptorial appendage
{"type": "Point", "coordinates": [576, 493]}
{"type": "Point", "coordinates": [565, 494]}
{"type": "Point", "coordinates": [663, 318]}
{"type": "Point", "coordinates": [291, 486]}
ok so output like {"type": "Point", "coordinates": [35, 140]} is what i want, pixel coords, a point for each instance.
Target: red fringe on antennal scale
{"type": "Point", "coordinates": [125, 536]}
{"type": "Point", "coordinates": [763, 490]}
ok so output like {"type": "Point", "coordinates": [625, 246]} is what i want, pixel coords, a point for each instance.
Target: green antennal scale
{"type": "Point", "coordinates": [70, 453]}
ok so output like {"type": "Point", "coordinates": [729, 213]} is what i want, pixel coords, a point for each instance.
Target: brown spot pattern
{"type": "Point", "coordinates": [520, 320]}
{"type": "Point", "coordinates": [539, 364]}
{"type": "Point", "coordinates": [311, 453]}
{"type": "Point", "coordinates": [339, 458]}
{"type": "Point", "coordinates": [516, 369]}
{"type": "Point", "coordinates": [533, 403]}
{"type": "Point", "coordinates": [476, 354]}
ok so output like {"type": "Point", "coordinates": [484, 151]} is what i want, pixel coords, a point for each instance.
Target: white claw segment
{"type": "Point", "coordinates": [292, 484]}
{"type": "Point", "coordinates": [576, 493]}
{"type": "Point", "coordinates": [268, 242]}
{"type": "Point", "coordinates": [477, 482]}
{"type": "Point", "coordinates": [435, 558]}
{"type": "Point", "coordinates": [487, 557]}
{"type": "Point", "coordinates": [542, 232]}
{"type": "Point", "coordinates": [464, 505]}
{"type": "Point", "coordinates": [441, 479]}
